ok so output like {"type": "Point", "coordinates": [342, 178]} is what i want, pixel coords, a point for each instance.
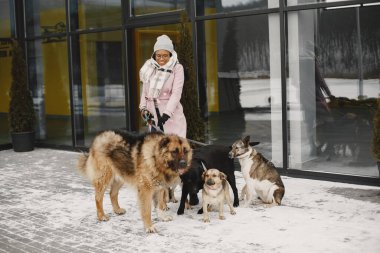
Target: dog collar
{"type": "Point", "coordinates": [246, 154]}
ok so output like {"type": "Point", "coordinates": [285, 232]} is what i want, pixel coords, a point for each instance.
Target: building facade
{"type": "Point", "coordinates": [302, 77]}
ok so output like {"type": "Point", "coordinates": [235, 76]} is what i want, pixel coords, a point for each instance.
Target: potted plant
{"type": "Point", "coordinates": [376, 135]}
{"type": "Point", "coordinates": [21, 110]}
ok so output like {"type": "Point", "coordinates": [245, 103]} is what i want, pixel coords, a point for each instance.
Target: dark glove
{"type": "Point", "coordinates": [146, 115]}
{"type": "Point", "coordinates": [163, 119]}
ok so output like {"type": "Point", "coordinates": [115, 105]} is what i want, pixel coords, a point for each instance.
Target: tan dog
{"type": "Point", "coordinates": [151, 162]}
{"type": "Point", "coordinates": [216, 191]}
{"type": "Point", "coordinates": [259, 174]}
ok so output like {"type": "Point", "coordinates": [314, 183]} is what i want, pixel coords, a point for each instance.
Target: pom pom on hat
{"type": "Point", "coordinates": [163, 42]}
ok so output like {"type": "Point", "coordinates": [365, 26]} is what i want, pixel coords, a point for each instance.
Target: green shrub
{"type": "Point", "coordinates": [189, 99]}
{"type": "Point", "coordinates": [21, 110]}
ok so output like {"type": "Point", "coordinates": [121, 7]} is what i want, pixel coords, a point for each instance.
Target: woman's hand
{"type": "Point", "coordinates": [163, 119]}
{"type": "Point", "coordinates": [146, 115]}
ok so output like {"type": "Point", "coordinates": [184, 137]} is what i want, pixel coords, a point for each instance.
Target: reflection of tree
{"type": "Point", "coordinates": [230, 53]}
{"type": "Point", "coordinates": [254, 56]}
{"type": "Point", "coordinates": [253, 53]}
{"type": "Point", "coordinates": [339, 38]}
{"type": "Point", "coordinates": [229, 83]}
{"type": "Point", "coordinates": [370, 36]}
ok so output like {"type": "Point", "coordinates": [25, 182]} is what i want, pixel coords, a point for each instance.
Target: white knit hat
{"type": "Point", "coordinates": [163, 42]}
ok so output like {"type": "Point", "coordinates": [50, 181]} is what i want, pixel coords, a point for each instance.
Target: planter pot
{"type": "Point", "coordinates": [23, 141]}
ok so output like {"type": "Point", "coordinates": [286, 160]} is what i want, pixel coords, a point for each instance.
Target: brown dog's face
{"type": "Point", "coordinates": [213, 178]}
{"type": "Point", "coordinates": [176, 152]}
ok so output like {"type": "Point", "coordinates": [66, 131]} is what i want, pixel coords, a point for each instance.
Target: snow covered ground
{"type": "Point", "coordinates": [46, 206]}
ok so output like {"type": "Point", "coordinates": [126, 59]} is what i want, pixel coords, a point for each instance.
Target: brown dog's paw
{"type": "Point", "coordinates": [120, 211]}
{"type": "Point", "coordinates": [233, 212]}
{"type": "Point", "coordinates": [103, 217]}
{"type": "Point", "coordinates": [271, 205]}
{"type": "Point", "coordinates": [163, 216]}
{"type": "Point", "coordinates": [206, 220]}
{"type": "Point", "coordinates": [151, 229]}
{"type": "Point", "coordinates": [221, 217]}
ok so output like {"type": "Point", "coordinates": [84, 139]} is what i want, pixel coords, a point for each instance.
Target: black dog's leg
{"type": "Point", "coordinates": [232, 182]}
{"type": "Point", "coordinates": [194, 200]}
{"type": "Point", "coordinates": [181, 208]}
{"type": "Point", "coordinates": [200, 211]}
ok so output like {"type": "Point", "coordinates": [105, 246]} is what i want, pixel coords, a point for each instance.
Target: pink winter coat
{"type": "Point", "coordinates": [168, 102]}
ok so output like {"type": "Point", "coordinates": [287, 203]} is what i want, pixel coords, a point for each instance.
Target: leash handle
{"type": "Point", "coordinates": [158, 115]}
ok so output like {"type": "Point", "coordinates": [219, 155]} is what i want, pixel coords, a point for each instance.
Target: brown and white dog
{"type": "Point", "coordinates": [259, 174]}
{"type": "Point", "coordinates": [151, 162]}
{"type": "Point", "coordinates": [215, 192]}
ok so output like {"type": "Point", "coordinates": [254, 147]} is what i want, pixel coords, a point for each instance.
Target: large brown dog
{"type": "Point", "coordinates": [151, 162]}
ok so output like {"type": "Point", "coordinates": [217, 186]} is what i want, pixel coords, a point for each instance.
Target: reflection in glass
{"type": "Point", "coordinates": [49, 82]}
{"type": "Point", "coordinates": [5, 19]}
{"type": "Point", "coordinates": [297, 2]}
{"type": "Point", "coordinates": [45, 17]}
{"type": "Point", "coordinates": [5, 82]}
{"type": "Point", "coordinates": [206, 7]}
{"type": "Point", "coordinates": [243, 82]}
{"type": "Point", "coordinates": [331, 106]}
{"type": "Point", "coordinates": [147, 7]}
{"type": "Point", "coordinates": [99, 92]}
{"type": "Point", "coordinates": [96, 13]}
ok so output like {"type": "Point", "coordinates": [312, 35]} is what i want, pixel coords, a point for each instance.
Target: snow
{"type": "Point", "coordinates": [256, 92]}
{"type": "Point", "coordinates": [44, 200]}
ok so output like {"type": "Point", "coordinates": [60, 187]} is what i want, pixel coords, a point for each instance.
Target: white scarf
{"type": "Point", "coordinates": [157, 75]}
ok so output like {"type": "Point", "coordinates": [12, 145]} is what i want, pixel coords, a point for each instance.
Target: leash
{"type": "Point", "coordinates": [148, 119]}
{"type": "Point", "coordinates": [158, 114]}
{"type": "Point", "coordinates": [190, 140]}
{"type": "Point", "coordinates": [203, 166]}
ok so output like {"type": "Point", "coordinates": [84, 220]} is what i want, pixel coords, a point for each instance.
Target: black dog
{"type": "Point", "coordinates": [212, 156]}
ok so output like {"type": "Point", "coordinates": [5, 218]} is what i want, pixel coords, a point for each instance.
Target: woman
{"type": "Point", "coordinates": [162, 77]}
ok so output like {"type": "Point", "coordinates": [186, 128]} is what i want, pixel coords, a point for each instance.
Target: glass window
{"type": "Point", "coordinates": [298, 2]}
{"type": "Point", "coordinates": [95, 14]}
{"type": "Point", "coordinates": [5, 83]}
{"type": "Point", "coordinates": [144, 40]}
{"type": "Point", "coordinates": [5, 19]}
{"type": "Point", "coordinates": [49, 80]}
{"type": "Point", "coordinates": [147, 7]}
{"type": "Point", "coordinates": [206, 7]}
{"type": "Point", "coordinates": [370, 43]}
{"type": "Point", "coordinates": [45, 17]}
{"type": "Point", "coordinates": [243, 82]}
{"type": "Point", "coordinates": [332, 89]}
{"type": "Point", "coordinates": [99, 95]}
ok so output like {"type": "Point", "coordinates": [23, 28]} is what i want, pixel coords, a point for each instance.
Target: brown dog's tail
{"type": "Point", "coordinates": [278, 195]}
{"type": "Point", "coordinates": [82, 163]}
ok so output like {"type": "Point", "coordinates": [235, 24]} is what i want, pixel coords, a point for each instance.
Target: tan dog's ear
{"type": "Point", "coordinates": [204, 175]}
{"type": "Point", "coordinates": [222, 176]}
